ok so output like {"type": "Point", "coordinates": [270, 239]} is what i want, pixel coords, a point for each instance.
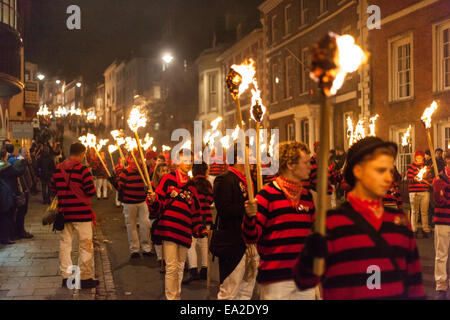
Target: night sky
{"type": "Point", "coordinates": [113, 28]}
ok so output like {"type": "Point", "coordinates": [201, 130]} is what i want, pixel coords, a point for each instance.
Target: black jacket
{"type": "Point", "coordinates": [9, 173]}
{"type": "Point", "coordinates": [45, 166]}
{"type": "Point", "coordinates": [229, 201]}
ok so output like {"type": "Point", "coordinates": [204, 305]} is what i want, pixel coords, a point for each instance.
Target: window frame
{"type": "Point", "coordinates": [438, 59]}
{"type": "Point", "coordinates": [288, 21]}
{"type": "Point", "coordinates": [273, 29]}
{"type": "Point", "coordinates": [304, 70]}
{"type": "Point", "coordinates": [287, 86]}
{"type": "Point", "coordinates": [213, 74]}
{"type": "Point", "coordinates": [393, 45]}
{"type": "Point", "coordinates": [290, 127]}
{"type": "Point", "coordinates": [275, 72]}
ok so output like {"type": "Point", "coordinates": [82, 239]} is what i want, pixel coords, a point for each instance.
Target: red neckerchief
{"type": "Point", "coordinates": [368, 209]}
{"type": "Point", "coordinates": [292, 190]}
{"type": "Point", "coordinates": [182, 178]}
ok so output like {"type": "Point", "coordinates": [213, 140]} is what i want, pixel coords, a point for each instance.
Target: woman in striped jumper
{"type": "Point", "coordinates": [369, 250]}
{"type": "Point", "coordinates": [279, 223]}
{"type": "Point", "coordinates": [205, 197]}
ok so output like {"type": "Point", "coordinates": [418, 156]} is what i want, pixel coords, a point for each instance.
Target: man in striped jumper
{"type": "Point", "coordinates": [132, 188]}
{"type": "Point", "coordinates": [369, 250]}
{"type": "Point", "coordinates": [72, 182]}
{"type": "Point", "coordinates": [278, 221]}
{"type": "Point", "coordinates": [419, 194]}
{"type": "Point", "coordinates": [441, 188]}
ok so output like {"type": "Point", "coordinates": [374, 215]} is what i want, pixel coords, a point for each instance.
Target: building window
{"type": "Point", "coordinates": [287, 20]}
{"type": "Point", "coordinates": [304, 127]}
{"type": "Point", "coordinates": [8, 13]}
{"type": "Point", "coordinates": [323, 7]}
{"type": "Point", "coordinates": [303, 13]}
{"type": "Point", "coordinates": [401, 68]}
{"type": "Point", "coordinates": [275, 82]}
{"type": "Point", "coordinates": [446, 138]}
{"type": "Point", "coordinates": [442, 60]}
{"type": "Point", "coordinates": [288, 77]}
{"type": "Point", "coordinates": [304, 67]}
{"type": "Point", "coordinates": [212, 91]}
{"type": "Point", "coordinates": [290, 132]}
{"type": "Point", "coordinates": [274, 28]}
{"type": "Point", "coordinates": [201, 94]}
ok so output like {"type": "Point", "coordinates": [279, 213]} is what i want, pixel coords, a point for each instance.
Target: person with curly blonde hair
{"type": "Point", "coordinates": [278, 222]}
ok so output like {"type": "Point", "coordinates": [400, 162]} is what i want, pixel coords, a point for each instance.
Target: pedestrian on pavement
{"type": "Point", "coordinates": [73, 183]}
{"type": "Point", "coordinates": [180, 221]}
{"type": "Point", "coordinates": [100, 175]}
{"type": "Point", "coordinates": [26, 183]}
{"type": "Point", "coordinates": [278, 221]}
{"type": "Point", "coordinates": [135, 210]}
{"type": "Point", "coordinates": [205, 197]}
{"type": "Point", "coordinates": [45, 168]}
{"type": "Point", "coordinates": [364, 237]}
{"type": "Point", "coordinates": [11, 157]}
{"type": "Point", "coordinates": [441, 187]}
{"type": "Point", "coordinates": [160, 171]}
{"type": "Point", "coordinates": [9, 175]}
{"type": "Point", "coordinates": [230, 192]}
{"type": "Point", "coordinates": [419, 195]}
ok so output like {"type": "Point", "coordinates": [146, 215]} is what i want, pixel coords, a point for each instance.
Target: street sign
{"type": "Point", "coordinates": [32, 92]}
{"type": "Point", "coordinates": [22, 131]}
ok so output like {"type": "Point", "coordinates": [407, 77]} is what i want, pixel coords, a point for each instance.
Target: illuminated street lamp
{"type": "Point", "coordinates": [167, 58]}
{"type": "Point", "coordinates": [79, 84]}
{"type": "Point", "coordinates": [40, 76]}
{"type": "Point", "coordinates": [58, 81]}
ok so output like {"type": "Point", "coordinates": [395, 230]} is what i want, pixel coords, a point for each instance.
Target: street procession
{"type": "Point", "coordinates": [228, 150]}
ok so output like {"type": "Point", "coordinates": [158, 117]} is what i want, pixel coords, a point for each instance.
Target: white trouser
{"type": "Point", "coordinates": [85, 249]}
{"type": "Point", "coordinates": [99, 184]}
{"type": "Point", "coordinates": [202, 244]}
{"type": "Point", "coordinates": [175, 257]}
{"type": "Point", "coordinates": [158, 247]}
{"type": "Point", "coordinates": [419, 205]}
{"type": "Point", "coordinates": [285, 290]}
{"type": "Point", "coordinates": [137, 213]}
{"type": "Point", "coordinates": [117, 199]}
{"type": "Point", "coordinates": [441, 243]}
{"type": "Point", "coordinates": [234, 287]}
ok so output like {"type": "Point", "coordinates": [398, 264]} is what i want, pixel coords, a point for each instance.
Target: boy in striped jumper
{"type": "Point", "coordinates": [369, 250]}
{"type": "Point", "coordinates": [441, 188]}
{"type": "Point", "coordinates": [72, 182]}
{"type": "Point", "coordinates": [419, 193]}
{"type": "Point", "coordinates": [279, 221]}
{"type": "Point", "coordinates": [135, 210]}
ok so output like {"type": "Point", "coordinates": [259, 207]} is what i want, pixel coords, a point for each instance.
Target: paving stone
{"type": "Point", "coordinates": [9, 286]}
{"type": "Point", "coordinates": [45, 291]}
{"type": "Point", "coordinates": [20, 292]}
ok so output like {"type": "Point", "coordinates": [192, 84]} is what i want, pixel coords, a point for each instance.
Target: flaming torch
{"type": "Point", "coordinates": [90, 141]}
{"type": "Point", "coordinates": [257, 112]}
{"type": "Point", "coordinates": [111, 149]}
{"type": "Point", "coordinates": [426, 119]}
{"type": "Point", "coordinates": [130, 145]}
{"type": "Point", "coordinates": [135, 121]}
{"type": "Point", "coordinates": [118, 137]}
{"type": "Point", "coordinates": [238, 80]}
{"type": "Point", "coordinates": [332, 58]}
{"type": "Point", "coordinates": [406, 141]}
{"type": "Point", "coordinates": [372, 125]}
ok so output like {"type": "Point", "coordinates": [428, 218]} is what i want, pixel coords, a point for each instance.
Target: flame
{"type": "Point", "coordinates": [83, 140]}
{"type": "Point", "coordinates": [215, 123]}
{"type": "Point", "coordinates": [372, 124]}
{"type": "Point", "coordinates": [190, 174]}
{"type": "Point", "coordinates": [256, 103]}
{"type": "Point", "coordinates": [226, 142]}
{"type": "Point", "coordinates": [130, 144]}
{"type": "Point", "coordinates": [247, 71]}
{"type": "Point", "coordinates": [426, 117]}
{"type": "Point", "coordinates": [91, 116]}
{"type": "Point", "coordinates": [43, 111]}
{"type": "Point", "coordinates": [101, 144]}
{"type": "Point", "coordinates": [356, 134]}
{"type": "Point", "coordinates": [148, 141]}
{"type": "Point", "coordinates": [187, 145]}
{"type": "Point", "coordinates": [136, 119]}
{"type": "Point", "coordinates": [349, 57]}
{"type": "Point", "coordinates": [272, 144]}
{"type": "Point", "coordinates": [120, 141]}
{"type": "Point", "coordinates": [406, 136]}
{"type": "Point", "coordinates": [116, 133]}
{"type": "Point", "coordinates": [166, 148]}
{"type": "Point", "coordinates": [112, 148]}
{"type": "Point", "coordinates": [235, 133]}
{"type": "Point", "coordinates": [154, 148]}
{"type": "Point", "coordinates": [421, 173]}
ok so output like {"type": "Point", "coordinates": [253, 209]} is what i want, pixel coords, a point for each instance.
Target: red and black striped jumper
{"type": "Point", "coordinates": [353, 256]}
